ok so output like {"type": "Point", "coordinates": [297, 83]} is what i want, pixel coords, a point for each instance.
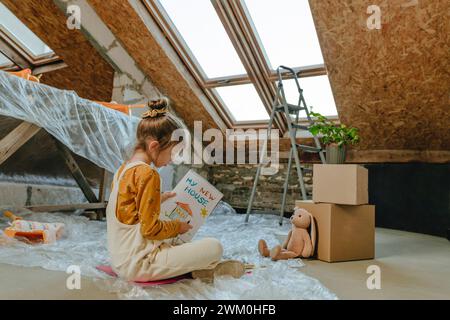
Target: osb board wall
{"type": "Point", "coordinates": [88, 73]}
{"type": "Point", "coordinates": [393, 83]}
{"type": "Point", "coordinates": [131, 31]}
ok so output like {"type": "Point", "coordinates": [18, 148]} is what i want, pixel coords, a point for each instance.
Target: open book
{"type": "Point", "coordinates": [195, 199]}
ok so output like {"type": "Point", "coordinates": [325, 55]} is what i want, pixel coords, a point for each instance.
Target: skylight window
{"type": "Point", "coordinates": [204, 34]}
{"type": "Point", "coordinates": [15, 29]}
{"type": "Point", "coordinates": [287, 32]}
{"type": "Point", "coordinates": [233, 47]}
{"type": "Point", "coordinates": [4, 61]}
{"type": "Point", "coordinates": [317, 93]}
{"type": "Point", "coordinates": [243, 102]}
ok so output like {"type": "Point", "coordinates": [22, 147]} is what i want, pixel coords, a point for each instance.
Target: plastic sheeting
{"type": "Point", "coordinates": [90, 130]}
{"type": "Point", "coordinates": [85, 245]}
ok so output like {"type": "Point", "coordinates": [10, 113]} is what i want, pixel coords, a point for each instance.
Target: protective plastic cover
{"type": "Point", "coordinates": [90, 130]}
{"type": "Point", "coordinates": [85, 245]}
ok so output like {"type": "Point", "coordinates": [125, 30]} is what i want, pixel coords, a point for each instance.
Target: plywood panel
{"type": "Point", "coordinates": [88, 73]}
{"type": "Point", "coordinates": [392, 83]}
{"type": "Point", "coordinates": [16, 138]}
{"type": "Point", "coordinates": [134, 35]}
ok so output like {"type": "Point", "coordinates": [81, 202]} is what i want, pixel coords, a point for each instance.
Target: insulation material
{"type": "Point", "coordinates": [94, 132]}
{"type": "Point", "coordinates": [85, 245]}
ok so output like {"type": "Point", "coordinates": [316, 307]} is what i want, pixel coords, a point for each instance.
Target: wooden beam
{"type": "Point", "coordinates": [302, 72]}
{"type": "Point", "coordinates": [398, 156]}
{"type": "Point", "coordinates": [103, 183]}
{"type": "Point", "coordinates": [360, 156]}
{"type": "Point", "coordinates": [146, 41]}
{"type": "Point", "coordinates": [12, 53]}
{"type": "Point", "coordinates": [67, 207]}
{"type": "Point", "coordinates": [381, 156]}
{"type": "Point", "coordinates": [53, 66]}
{"type": "Point", "coordinates": [242, 38]}
{"type": "Point", "coordinates": [76, 172]}
{"type": "Point", "coordinates": [17, 138]}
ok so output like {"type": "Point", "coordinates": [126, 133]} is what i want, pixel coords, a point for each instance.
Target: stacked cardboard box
{"type": "Point", "coordinates": [345, 222]}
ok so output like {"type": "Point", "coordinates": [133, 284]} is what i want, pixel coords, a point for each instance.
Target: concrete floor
{"type": "Point", "coordinates": [413, 266]}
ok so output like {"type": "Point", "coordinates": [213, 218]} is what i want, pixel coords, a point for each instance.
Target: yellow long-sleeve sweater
{"type": "Point", "coordinates": [139, 200]}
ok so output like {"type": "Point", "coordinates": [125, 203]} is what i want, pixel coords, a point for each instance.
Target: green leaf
{"type": "Point", "coordinates": [331, 133]}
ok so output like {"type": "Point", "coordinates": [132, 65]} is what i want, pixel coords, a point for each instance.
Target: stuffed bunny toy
{"type": "Point", "coordinates": [299, 243]}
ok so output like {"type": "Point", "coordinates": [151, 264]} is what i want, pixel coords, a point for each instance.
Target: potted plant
{"type": "Point", "coordinates": [334, 137]}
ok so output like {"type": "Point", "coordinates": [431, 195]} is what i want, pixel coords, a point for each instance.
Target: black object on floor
{"type": "Point", "coordinates": [411, 196]}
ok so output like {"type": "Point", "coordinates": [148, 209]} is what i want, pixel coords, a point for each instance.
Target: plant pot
{"type": "Point", "coordinates": [335, 154]}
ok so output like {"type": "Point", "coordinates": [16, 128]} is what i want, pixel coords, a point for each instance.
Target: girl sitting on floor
{"type": "Point", "coordinates": [135, 232]}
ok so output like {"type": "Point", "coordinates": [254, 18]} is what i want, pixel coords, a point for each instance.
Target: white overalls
{"type": "Point", "coordinates": [135, 258]}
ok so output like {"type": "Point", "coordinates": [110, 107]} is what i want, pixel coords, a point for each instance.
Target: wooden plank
{"type": "Point", "coordinates": [17, 138]}
{"type": "Point", "coordinates": [102, 189]}
{"type": "Point", "coordinates": [398, 156]}
{"type": "Point", "coordinates": [380, 156]}
{"type": "Point", "coordinates": [363, 156]}
{"type": "Point", "coordinates": [76, 172]}
{"type": "Point", "coordinates": [67, 207]}
{"type": "Point", "coordinates": [49, 67]}
{"type": "Point", "coordinates": [11, 53]}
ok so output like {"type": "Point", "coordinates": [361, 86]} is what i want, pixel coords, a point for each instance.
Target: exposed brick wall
{"type": "Point", "coordinates": [236, 182]}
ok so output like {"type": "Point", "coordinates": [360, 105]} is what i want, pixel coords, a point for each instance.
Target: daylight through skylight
{"type": "Point", "coordinates": [317, 93]}
{"type": "Point", "coordinates": [243, 102]}
{"type": "Point", "coordinates": [225, 38]}
{"type": "Point", "coordinates": [11, 25]}
{"type": "Point", "coordinates": [287, 32]}
{"type": "Point", "coordinates": [204, 34]}
{"type": "Point", "coordinates": [4, 61]}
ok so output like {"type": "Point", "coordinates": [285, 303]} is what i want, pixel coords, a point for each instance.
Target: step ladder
{"type": "Point", "coordinates": [280, 105]}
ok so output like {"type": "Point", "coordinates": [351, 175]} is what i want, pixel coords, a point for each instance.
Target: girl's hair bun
{"type": "Point", "coordinates": [157, 108]}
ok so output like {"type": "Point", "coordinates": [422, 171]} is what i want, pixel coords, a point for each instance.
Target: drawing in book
{"type": "Point", "coordinates": [195, 199]}
{"type": "Point", "coordinates": [182, 211]}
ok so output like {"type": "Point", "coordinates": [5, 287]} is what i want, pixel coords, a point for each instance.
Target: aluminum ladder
{"type": "Point", "coordinates": [280, 105]}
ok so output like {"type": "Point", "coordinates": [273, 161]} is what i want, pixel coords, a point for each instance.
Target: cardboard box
{"type": "Point", "coordinates": [344, 232]}
{"type": "Point", "coordinates": [340, 184]}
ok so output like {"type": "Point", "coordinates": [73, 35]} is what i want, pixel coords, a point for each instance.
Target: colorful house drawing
{"type": "Point", "coordinates": [182, 211]}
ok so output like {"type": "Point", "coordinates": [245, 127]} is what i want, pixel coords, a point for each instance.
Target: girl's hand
{"type": "Point", "coordinates": [167, 195]}
{"type": "Point", "coordinates": [184, 227]}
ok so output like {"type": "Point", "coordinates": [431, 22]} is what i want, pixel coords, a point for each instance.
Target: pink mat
{"type": "Point", "coordinates": [109, 271]}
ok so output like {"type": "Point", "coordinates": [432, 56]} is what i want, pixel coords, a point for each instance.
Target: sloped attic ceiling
{"type": "Point", "coordinates": [392, 83]}
{"type": "Point", "coordinates": [155, 61]}
{"type": "Point", "coordinates": [88, 74]}
{"type": "Point", "coordinates": [91, 77]}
